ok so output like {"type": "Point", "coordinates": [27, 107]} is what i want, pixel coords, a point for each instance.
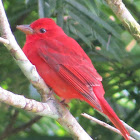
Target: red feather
{"type": "Point", "coordinates": [66, 68]}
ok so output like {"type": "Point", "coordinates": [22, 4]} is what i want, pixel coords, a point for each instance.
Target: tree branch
{"type": "Point", "coordinates": [39, 108]}
{"type": "Point", "coordinates": [101, 123]}
{"type": "Point", "coordinates": [52, 108]}
{"type": "Point", "coordinates": [4, 41]}
{"type": "Point", "coordinates": [125, 17]}
{"type": "Point", "coordinates": [132, 131]}
{"type": "Point", "coordinates": [46, 109]}
{"type": "Point", "coordinates": [27, 68]}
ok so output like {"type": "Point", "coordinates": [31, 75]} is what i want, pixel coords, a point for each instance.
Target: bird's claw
{"type": "Point", "coordinates": [64, 103]}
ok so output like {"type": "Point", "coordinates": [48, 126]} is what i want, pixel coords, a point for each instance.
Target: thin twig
{"type": "Point", "coordinates": [101, 123]}
{"type": "Point", "coordinates": [105, 125]}
{"type": "Point", "coordinates": [26, 125]}
{"type": "Point", "coordinates": [20, 128]}
{"type": "Point", "coordinates": [9, 127]}
{"type": "Point", "coordinates": [132, 131]}
{"type": "Point", "coordinates": [11, 123]}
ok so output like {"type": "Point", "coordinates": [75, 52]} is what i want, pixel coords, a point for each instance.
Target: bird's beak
{"type": "Point", "coordinates": [25, 29]}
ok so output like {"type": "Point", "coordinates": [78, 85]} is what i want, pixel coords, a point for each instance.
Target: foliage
{"type": "Point", "coordinates": [112, 49]}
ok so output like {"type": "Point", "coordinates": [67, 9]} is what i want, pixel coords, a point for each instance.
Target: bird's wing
{"type": "Point", "coordinates": [73, 65]}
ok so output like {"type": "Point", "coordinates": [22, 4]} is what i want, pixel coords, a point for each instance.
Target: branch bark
{"type": "Point", "coordinates": [125, 17]}
{"type": "Point", "coordinates": [52, 108]}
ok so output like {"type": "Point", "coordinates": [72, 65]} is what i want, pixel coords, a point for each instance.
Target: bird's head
{"type": "Point", "coordinates": [41, 28]}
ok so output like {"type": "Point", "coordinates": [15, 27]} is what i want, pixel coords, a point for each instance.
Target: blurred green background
{"type": "Point", "coordinates": [114, 52]}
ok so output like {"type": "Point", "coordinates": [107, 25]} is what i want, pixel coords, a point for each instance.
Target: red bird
{"type": "Point", "coordinates": [65, 67]}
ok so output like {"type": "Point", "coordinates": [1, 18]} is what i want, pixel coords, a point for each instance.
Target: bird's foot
{"type": "Point", "coordinates": [49, 96]}
{"type": "Point", "coordinates": [64, 102]}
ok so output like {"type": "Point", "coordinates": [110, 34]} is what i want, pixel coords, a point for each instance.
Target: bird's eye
{"type": "Point", "coordinates": [42, 30]}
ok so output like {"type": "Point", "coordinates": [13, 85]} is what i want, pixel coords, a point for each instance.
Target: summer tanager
{"type": "Point", "coordinates": [65, 67]}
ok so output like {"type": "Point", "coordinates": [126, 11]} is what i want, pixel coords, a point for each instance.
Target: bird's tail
{"type": "Point", "coordinates": [107, 110]}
